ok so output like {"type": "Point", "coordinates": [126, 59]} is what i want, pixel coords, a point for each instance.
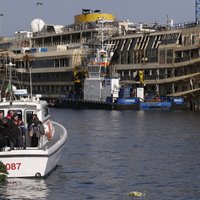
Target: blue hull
{"type": "Point", "coordinates": [155, 105]}
{"type": "Point", "coordinates": [128, 101]}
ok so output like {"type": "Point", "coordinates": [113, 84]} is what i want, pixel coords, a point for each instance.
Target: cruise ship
{"type": "Point", "coordinates": [163, 59]}
{"type": "Point", "coordinates": [51, 53]}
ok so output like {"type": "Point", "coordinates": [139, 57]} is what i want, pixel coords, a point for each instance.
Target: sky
{"type": "Point", "coordinates": [18, 14]}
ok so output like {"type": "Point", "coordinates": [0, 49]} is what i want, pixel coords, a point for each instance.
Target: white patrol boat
{"type": "Point", "coordinates": [33, 161]}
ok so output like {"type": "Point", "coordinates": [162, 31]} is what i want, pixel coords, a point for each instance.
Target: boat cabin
{"type": "Point", "coordinates": [25, 108]}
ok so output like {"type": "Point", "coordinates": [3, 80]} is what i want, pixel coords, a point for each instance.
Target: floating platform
{"type": "Point", "coordinates": [175, 103]}
{"type": "Point", "coordinates": [82, 104]}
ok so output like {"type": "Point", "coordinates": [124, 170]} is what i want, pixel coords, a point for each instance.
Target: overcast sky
{"type": "Point", "coordinates": [18, 14]}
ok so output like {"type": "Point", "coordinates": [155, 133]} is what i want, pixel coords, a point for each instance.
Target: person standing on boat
{"type": "Point", "coordinates": [3, 141]}
{"type": "Point", "coordinates": [19, 123]}
{"type": "Point", "coordinates": [11, 133]}
{"type": "Point", "coordinates": [10, 114]}
{"type": "Point", "coordinates": [23, 130]}
{"type": "Point", "coordinates": [36, 129]}
{"type": "Point", "coordinates": [1, 122]}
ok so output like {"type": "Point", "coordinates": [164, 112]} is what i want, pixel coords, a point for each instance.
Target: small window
{"type": "Point", "coordinates": [107, 83]}
{"type": "Point", "coordinates": [18, 112]}
{"type": "Point", "coordinates": [29, 116]}
{"type": "Point", "coordinates": [46, 111]}
{"type": "Point", "coordinates": [2, 111]}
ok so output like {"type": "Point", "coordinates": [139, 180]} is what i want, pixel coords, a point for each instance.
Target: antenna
{"type": "Point", "coordinates": [27, 58]}
{"type": "Point", "coordinates": [10, 65]}
{"type": "Point", "coordinates": [30, 71]}
{"type": "Point", "coordinates": [101, 20]}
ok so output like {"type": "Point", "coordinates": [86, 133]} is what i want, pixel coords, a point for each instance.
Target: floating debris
{"type": "Point", "coordinates": [136, 194]}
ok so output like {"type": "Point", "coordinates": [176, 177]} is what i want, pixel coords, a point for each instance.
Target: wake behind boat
{"type": "Point", "coordinates": [28, 161]}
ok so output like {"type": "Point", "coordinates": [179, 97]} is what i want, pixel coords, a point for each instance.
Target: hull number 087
{"type": "Point", "coordinates": [13, 166]}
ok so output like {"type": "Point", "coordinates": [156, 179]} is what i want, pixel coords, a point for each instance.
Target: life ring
{"type": "Point", "coordinates": [49, 130]}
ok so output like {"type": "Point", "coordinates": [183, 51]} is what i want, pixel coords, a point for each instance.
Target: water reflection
{"type": "Point", "coordinates": [24, 189]}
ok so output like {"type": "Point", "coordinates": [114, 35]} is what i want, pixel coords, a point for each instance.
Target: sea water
{"type": "Point", "coordinates": [110, 154]}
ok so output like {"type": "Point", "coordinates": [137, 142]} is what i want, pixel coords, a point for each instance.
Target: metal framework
{"type": "Point", "coordinates": [197, 10]}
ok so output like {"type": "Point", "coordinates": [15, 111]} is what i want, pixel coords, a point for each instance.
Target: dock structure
{"type": "Point", "coordinates": [194, 105]}
{"type": "Point", "coordinates": [82, 104]}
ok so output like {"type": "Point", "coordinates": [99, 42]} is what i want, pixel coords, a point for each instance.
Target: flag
{"type": "Point", "coordinates": [10, 88]}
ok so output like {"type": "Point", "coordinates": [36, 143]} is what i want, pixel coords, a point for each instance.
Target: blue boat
{"type": "Point", "coordinates": [164, 103]}
{"type": "Point", "coordinates": [131, 103]}
{"type": "Point", "coordinates": [155, 105]}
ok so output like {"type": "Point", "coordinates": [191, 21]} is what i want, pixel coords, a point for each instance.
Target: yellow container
{"type": "Point", "coordinates": [92, 17]}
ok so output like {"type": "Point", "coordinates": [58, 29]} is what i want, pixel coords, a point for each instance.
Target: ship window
{"type": "Point", "coordinates": [103, 83]}
{"type": "Point", "coordinates": [107, 83]}
{"type": "Point", "coordinates": [18, 112]}
{"type": "Point", "coordinates": [169, 56]}
{"type": "Point", "coordinates": [162, 57]}
{"type": "Point", "coordinates": [2, 112]}
{"type": "Point", "coordinates": [46, 111]}
{"type": "Point", "coordinates": [62, 62]}
{"type": "Point", "coordinates": [56, 64]}
{"type": "Point", "coordinates": [28, 116]}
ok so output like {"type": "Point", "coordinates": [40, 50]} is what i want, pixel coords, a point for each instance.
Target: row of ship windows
{"type": "Point", "coordinates": [45, 77]}
{"type": "Point", "coordinates": [53, 89]}
{"type": "Point", "coordinates": [159, 73]}
{"type": "Point", "coordinates": [64, 62]}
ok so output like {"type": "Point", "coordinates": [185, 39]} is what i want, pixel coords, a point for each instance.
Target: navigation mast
{"type": "Point", "coordinates": [10, 87]}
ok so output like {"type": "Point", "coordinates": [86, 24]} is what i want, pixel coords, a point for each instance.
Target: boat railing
{"type": "Point", "coordinates": [182, 59]}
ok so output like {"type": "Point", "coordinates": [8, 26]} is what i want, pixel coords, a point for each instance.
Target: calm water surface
{"type": "Point", "coordinates": [111, 153]}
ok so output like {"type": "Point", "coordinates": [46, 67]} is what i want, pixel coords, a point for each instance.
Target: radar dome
{"type": "Point", "coordinates": [37, 25]}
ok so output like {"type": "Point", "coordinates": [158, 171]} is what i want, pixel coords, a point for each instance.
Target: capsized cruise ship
{"type": "Point", "coordinates": [164, 59]}
{"type": "Point", "coordinates": [52, 52]}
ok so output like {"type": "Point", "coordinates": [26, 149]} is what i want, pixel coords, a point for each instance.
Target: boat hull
{"type": "Point", "coordinates": [155, 105]}
{"type": "Point", "coordinates": [25, 166]}
{"type": "Point", "coordinates": [116, 106]}
{"type": "Point", "coordinates": [33, 162]}
{"type": "Point", "coordinates": [126, 104]}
